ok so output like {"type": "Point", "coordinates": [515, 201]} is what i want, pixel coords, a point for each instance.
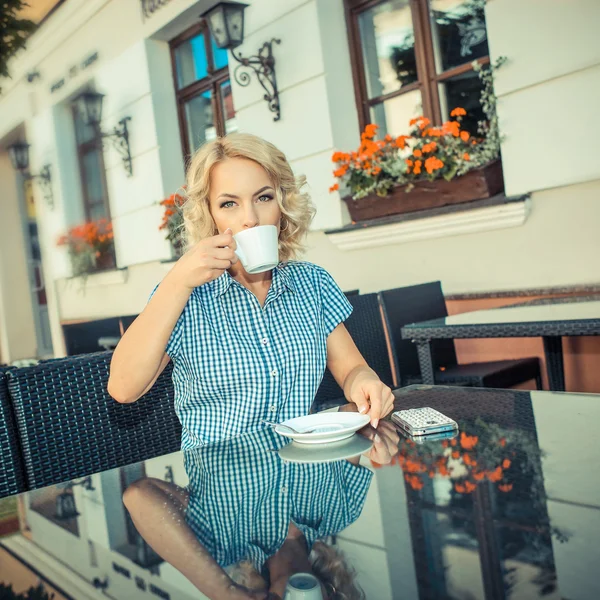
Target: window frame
{"type": "Point", "coordinates": [82, 148]}
{"type": "Point", "coordinates": [212, 82]}
{"type": "Point", "coordinates": [428, 79]}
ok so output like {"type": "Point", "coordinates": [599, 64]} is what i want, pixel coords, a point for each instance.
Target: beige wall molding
{"type": "Point", "coordinates": [503, 216]}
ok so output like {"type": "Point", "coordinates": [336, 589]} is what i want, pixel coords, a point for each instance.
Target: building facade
{"type": "Point", "coordinates": [156, 63]}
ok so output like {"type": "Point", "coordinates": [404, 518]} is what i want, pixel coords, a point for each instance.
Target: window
{"type": "Point", "coordinates": [413, 57]}
{"type": "Point", "coordinates": [91, 169]}
{"type": "Point", "coordinates": [204, 99]}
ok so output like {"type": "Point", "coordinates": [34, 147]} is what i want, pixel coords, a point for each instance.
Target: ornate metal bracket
{"type": "Point", "coordinates": [45, 180]}
{"type": "Point", "coordinates": [263, 65]}
{"type": "Point", "coordinates": [120, 141]}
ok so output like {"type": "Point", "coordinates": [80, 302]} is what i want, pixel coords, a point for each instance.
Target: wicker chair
{"type": "Point", "coordinates": [70, 427]}
{"type": "Point", "coordinates": [12, 474]}
{"type": "Point", "coordinates": [416, 303]}
{"type": "Point", "coordinates": [365, 325]}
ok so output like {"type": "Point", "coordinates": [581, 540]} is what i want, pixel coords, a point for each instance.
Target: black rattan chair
{"type": "Point", "coordinates": [417, 303]}
{"type": "Point", "coordinates": [365, 325]}
{"type": "Point", "coordinates": [70, 427]}
{"type": "Point", "coordinates": [12, 474]}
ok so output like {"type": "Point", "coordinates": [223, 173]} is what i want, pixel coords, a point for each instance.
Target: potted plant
{"type": "Point", "coordinates": [172, 221]}
{"type": "Point", "coordinates": [429, 167]}
{"type": "Point", "coordinates": [90, 246]}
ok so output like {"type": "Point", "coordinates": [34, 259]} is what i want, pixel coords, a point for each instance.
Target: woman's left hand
{"type": "Point", "coordinates": [371, 395]}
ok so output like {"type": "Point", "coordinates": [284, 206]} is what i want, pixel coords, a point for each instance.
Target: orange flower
{"type": "Point", "coordinates": [505, 487]}
{"type": "Point", "coordinates": [433, 132]}
{"type": "Point", "coordinates": [470, 487]}
{"type": "Point", "coordinates": [376, 170]}
{"type": "Point", "coordinates": [341, 171]}
{"type": "Point", "coordinates": [495, 475]}
{"type": "Point", "coordinates": [401, 141]}
{"type": "Point", "coordinates": [409, 162]}
{"type": "Point", "coordinates": [455, 454]}
{"type": "Point", "coordinates": [468, 442]}
{"type": "Point", "coordinates": [417, 153]}
{"type": "Point", "coordinates": [502, 442]}
{"type": "Point", "coordinates": [451, 127]}
{"type": "Point", "coordinates": [460, 488]}
{"type": "Point", "coordinates": [432, 164]}
{"type": "Point", "coordinates": [430, 147]}
{"type": "Point", "coordinates": [469, 461]}
{"type": "Point", "coordinates": [415, 120]}
{"type": "Point", "coordinates": [453, 442]}
{"type": "Point", "coordinates": [340, 157]}
{"type": "Point", "coordinates": [464, 136]}
{"type": "Point", "coordinates": [478, 476]}
{"type": "Point", "coordinates": [414, 481]}
{"type": "Point", "coordinates": [370, 130]}
{"type": "Point", "coordinates": [424, 122]}
{"type": "Point", "coordinates": [458, 112]}
{"type": "Point", "coordinates": [417, 168]}
{"type": "Point", "coordinates": [466, 156]}
{"type": "Point", "coordinates": [506, 463]}
{"type": "Point", "coordinates": [334, 188]}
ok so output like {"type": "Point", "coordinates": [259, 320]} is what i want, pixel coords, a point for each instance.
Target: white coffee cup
{"type": "Point", "coordinates": [258, 248]}
{"type": "Point", "coordinates": [303, 586]}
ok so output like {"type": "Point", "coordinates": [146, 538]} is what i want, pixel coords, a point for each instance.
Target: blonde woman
{"type": "Point", "coordinates": [244, 347]}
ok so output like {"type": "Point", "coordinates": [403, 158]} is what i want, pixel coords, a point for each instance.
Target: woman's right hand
{"type": "Point", "coordinates": [206, 261]}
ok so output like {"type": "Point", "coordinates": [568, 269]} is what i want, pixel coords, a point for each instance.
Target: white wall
{"type": "Point", "coordinates": [547, 92]}
{"type": "Point", "coordinates": [557, 246]}
{"type": "Point", "coordinates": [318, 112]}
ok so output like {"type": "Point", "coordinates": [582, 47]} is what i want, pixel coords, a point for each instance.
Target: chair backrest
{"type": "Point", "coordinates": [413, 304]}
{"type": "Point", "coordinates": [70, 427]}
{"type": "Point", "coordinates": [12, 473]}
{"type": "Point", "coordinates": [366, 327]}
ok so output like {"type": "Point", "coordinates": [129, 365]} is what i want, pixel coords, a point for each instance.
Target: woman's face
{"type": "Point", "coordinates": [242, 196]}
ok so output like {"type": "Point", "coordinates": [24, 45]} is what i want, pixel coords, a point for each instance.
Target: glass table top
{"type": "Point", "coordinates": [509, 508]}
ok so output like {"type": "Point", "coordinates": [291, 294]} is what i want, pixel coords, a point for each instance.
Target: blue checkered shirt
{"type": "Point", "coordinates": [243, 496]}
{"type": "Point", "coordinates": [236, 363]}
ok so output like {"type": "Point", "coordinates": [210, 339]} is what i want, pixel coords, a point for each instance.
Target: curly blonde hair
{"type": "Point", "coordinates": [296, 207]}
{"type": "Point", "coordinates": [329, 565]}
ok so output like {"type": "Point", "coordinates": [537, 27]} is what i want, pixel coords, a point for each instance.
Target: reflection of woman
{"type": "Point", "coordinates": [244, 347]}
{"type": "Point", "coordinates": [249, 517]}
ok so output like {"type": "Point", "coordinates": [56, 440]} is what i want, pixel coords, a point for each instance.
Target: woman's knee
{"type": "Point", "coordinates": [137, 491]}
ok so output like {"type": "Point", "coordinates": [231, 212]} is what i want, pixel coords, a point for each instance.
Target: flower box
{"type": "Point", "coordinates": [477, 184]}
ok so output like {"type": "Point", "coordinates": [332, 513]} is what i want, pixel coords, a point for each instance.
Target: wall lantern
{"type": "Point", "coordinates": [19, 157]}
{"type": "Point", "coordinates": [89, 106]}
{"type": "Point", "coordinates": [226, 23]}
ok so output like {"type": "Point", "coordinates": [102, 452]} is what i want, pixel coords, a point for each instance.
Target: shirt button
{"type": "Point", "coordinates": [283, 490]}
{"type": "Point", "coordinates": [272, 408]}
{"type": "Point", "coordinates": [274, 372]}
{"type": "Point", "coordinates": [265, 341]}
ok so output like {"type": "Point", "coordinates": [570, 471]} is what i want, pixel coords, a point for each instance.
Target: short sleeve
{"type": "Point", "coordinates": [336, 308]}
{"type": "Point", "coordinates": [174, 342]}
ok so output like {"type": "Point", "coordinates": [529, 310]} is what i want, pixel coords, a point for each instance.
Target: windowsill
{"type": "Point", "coordinates": [498, 212]}
{"type": "Point", "coordinates": [101, 278]}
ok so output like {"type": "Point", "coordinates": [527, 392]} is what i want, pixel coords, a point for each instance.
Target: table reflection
{"type": "Point", "coordinates": [510, 508]}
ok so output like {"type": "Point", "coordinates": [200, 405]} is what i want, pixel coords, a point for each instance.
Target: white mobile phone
{"type": "Point", "coordinates": [423, 421]}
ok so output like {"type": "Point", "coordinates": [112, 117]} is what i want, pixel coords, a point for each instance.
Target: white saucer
{"type": "Point", "coordinates": [322, 453]}
{"type": "Point", "coordinates": [333, 426]}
